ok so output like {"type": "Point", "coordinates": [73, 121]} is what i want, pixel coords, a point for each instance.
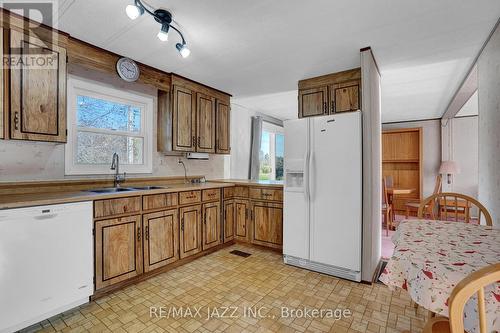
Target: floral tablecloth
{"type": "Point", "coordinates": [431, 257]}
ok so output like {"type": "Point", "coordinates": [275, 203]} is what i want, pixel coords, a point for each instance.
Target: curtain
{"type": "Point", "coordinates": [255, 148]}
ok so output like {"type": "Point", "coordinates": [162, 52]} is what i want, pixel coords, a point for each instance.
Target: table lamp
{"type": "Point", "coordinates": [449, 168]}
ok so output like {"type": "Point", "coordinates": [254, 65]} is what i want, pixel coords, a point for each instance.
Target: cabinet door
{"type": "Point", "coordinates": [345, 97]}
{"type": "Point", "coordinates": [184, 120]}
{"type": "Point", "coordinates": [313, 102]}
{"type": "Point", "coordinates": [229, 217]}
{"type": "Point", "coordinates": [161, 239]}
{"type": "Point", "coordinates": [241, 211]}
{"type": "Point", "coordinates": [267, 224]}
{"type": "Point", "coordinates": [190, 235]}
{"type": "Point", "coordinates": [223, 144]}
{"type": "Point", "coordinates": [211, 225]}
{"type": "Point", "coordinates": [37, 94]}
{"type": "Point", "coordinates": [205, 105]}
{"type": "Point", "coordinates": [118, 250]}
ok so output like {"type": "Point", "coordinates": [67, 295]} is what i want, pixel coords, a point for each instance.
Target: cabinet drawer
{"type": "Point", "coordinates": [237, 191]}
{"type": "Point", "coordinates": [266, 194]}
{"type": "Point", "coordinates": [163, 200]}
{"type": "Point", "coordinates": [118, 206]}
{"type": "Point", "coordinates": [212, 194]}
{"type": "Point", "coordinates": [189, 197]}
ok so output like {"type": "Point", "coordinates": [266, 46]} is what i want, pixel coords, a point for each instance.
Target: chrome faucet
{"type": "Point", "coordinates": [115, 165]}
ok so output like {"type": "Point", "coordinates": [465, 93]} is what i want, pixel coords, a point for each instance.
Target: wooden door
{"type": "Point", "coordinates": [223, 135]}
{"type": "Point", "coordinates": [205, 105]}
{"type": "Point", "coordinates": [345, 97]}
{"type": "Point", "coordinates": [267, 224]}
{"type": "Point", "coordinates": [37, 93]}
{"type": "Point", "coordinates": [313, 102]}
{"type": "Point", "coordinates": [190, 235]}
{"type": "Point", "coordinates": [184, 120]}
{"type": "Point", "coordinates": [229, 217]}
{"type": "Point", "coordinates": [211, 224]}
{"type": "Point", "coordinates": [118, 250]}
{"type": "Point", "coordinates": [161, 239]}
{"type": "Point", "coordinates": [241, 212]}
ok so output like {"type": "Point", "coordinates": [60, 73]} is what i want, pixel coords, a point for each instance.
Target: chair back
{"type": "Point", "coordinates": [465, 289]}
{"type": "Point", "coordinates": [454, 205]}
{"type": "Point", "coordinates": [439, 184]}
{"type": "Point", "coordinates": [385, 196]}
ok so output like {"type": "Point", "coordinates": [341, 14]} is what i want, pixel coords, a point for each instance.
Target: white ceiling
{"type": "Point", "coordinates": [257, 47]}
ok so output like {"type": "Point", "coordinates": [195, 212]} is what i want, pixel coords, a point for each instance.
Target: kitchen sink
{"type": "Point", "coordinates": [145, 188]}
{"type": "Point", "coordinates": [112, 190]}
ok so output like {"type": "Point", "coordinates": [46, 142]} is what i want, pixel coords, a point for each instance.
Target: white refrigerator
{"type": "Point", "coordinates": [322, 224]}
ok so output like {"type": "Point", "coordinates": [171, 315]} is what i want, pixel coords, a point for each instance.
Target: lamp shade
{"type": "Point", "coordinates": [449, 168]}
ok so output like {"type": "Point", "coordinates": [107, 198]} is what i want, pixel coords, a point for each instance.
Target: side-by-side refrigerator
{"type": "Point", "coordinates": [322, 223]}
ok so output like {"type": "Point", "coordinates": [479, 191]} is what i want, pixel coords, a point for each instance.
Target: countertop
{"type": "Point", "coordinates": [38, 199]}
{"type": "Point", "coordinates": [271, 183]}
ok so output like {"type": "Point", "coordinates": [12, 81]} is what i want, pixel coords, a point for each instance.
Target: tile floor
{"type": "Point", "coordinates": [221, 281]}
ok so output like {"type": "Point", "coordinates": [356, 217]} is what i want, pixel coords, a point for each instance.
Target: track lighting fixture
{"type": "Point", "coordinates": [161, 16]}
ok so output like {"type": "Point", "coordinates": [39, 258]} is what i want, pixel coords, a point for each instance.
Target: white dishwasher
{"type": "Point", "coordinates": [45, 262]}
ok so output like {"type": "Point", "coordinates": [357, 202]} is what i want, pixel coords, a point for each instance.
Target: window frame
{"type": "Point", "coordinates": [78, 86]}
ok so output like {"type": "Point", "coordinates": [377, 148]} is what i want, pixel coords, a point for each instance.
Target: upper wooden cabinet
{"type": "Point", "coordinates": [37, 93]}
{"type": "Point", "coordinates": [200, 119]}
{"type": "Point", "coordinates": [313, 102]}
{"type": "Point", "coordinates": [223, 133]}
{"type": "Point", "coordinates": [330, 94]}
{"type": "Point", "coordinates": [184, 120]}
{"type": "Point", "coordinates": [205, 115]}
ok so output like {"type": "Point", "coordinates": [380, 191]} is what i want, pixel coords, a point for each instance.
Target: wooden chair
{"type": "Point", "coordinates": [464, 290]}
{"type": "Point", "coordinates": [413, 204]}
{"type": "Point", "coordinates": [387, 210]}
{"type": "Point", "coordinates": [453, 205]}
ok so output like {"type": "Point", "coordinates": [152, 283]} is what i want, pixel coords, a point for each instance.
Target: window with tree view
{"type": "Point", "coordinates": [271, 152]}
{"type": "Point", "coordinates": [104, 124]}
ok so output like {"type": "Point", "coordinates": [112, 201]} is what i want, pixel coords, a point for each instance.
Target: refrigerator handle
{"type": "Point", "coordinates": [310, 176]}
{"type": "Point", "coordinates": [306, 175]}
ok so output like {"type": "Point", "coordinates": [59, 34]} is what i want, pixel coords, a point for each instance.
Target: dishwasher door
{"type": "Point", "coordinates": [46, 264]}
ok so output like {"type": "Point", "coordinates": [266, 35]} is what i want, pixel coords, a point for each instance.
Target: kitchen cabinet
{"type": "Point", "coordinates": [267, 224]}
{"type": "Point", "coordinates": [118, 250]}
{"type": "Point", "coordinates": [223, 133]}
{"type": "Point", "coordinates": [184, 120]}
{"type": "Point", "coordinates": [190, 233]}
{"type": "Point", "coordinates": [200, 119]}
{"type": "Point", "coordinates": [205, 115]}
{"type": "Point", "coordinates": [161, 239]}
{"type": "Point", "coordinates": [330, 94]}
{"type": "Point", "coordinates": [229, 218]}
{"type": "Point", "coordinates": [37, 94]}
{"type": "Point", "coordinates": [211, 224]}
{"type": "Point", "coordinates": [313, 102]}
{"type": "Point", "coordinates": [345, 97]}
{"type": "Point", "coordinates": [241, 212]}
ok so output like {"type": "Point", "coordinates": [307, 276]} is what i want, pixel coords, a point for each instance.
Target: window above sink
{"type": "Point", "coordinates": [103, 120]}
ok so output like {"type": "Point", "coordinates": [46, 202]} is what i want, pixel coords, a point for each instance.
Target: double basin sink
{"type": "Point", "coordinates": [125, 189]}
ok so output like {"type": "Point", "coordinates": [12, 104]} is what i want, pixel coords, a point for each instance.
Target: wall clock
{"type": "Point", "coordinates": [127, 69]}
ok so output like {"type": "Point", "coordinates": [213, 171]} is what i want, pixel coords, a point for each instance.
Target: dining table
{"type": "Point", "coordinates": [431, 257]}
{"type": "Point", "coordinates": [393, 191]}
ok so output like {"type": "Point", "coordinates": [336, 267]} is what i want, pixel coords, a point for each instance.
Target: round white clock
{"type": "Point", "coordinates": [127, 69]}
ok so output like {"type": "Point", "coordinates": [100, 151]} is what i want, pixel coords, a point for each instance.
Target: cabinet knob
{"type": "Point", "coordinates": [139, 234]}
{"type": "Point", "coordinates": [147, 232]}
{"type": "Point", "coordinates": [16, 120]}
{"type": "Point", "coordinates": [325, 107]}
{"type": "Point", "coordinates": [194, 141]}
{"type": "Point", "coordinates": [333, 107]}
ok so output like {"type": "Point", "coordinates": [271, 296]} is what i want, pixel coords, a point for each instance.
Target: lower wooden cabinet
{"type": "Point", "coordinates": [211, 225]}
{"type": "Point", "coordinates": [118, 250]}
{"type": "Point", "coordinates": [161, 239]}
{"type": "Point", "coordinates": [241, 211]}
{"type": "Point", "coordinates": [190, 234]}
{"type": "Point", "coordinates": [228, 220]}
{"type": "Point", "coordinates": [267, 226]}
